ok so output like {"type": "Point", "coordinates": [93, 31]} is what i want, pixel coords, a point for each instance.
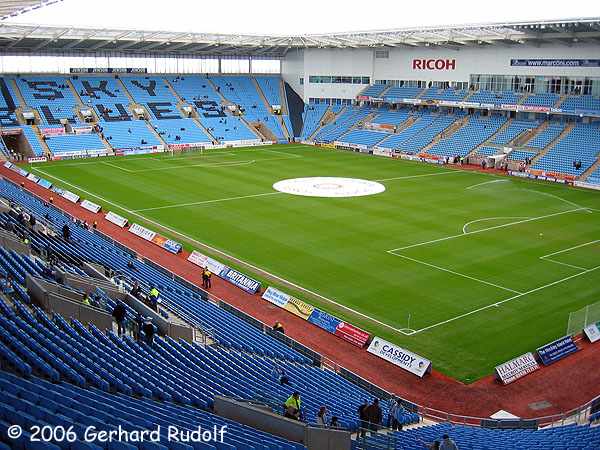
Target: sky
{"type": "Point", "coordinates": [285, 17]}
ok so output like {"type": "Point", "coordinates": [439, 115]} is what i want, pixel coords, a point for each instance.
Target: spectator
{"type": "Point", "coordinates": [32, 221]}
{"type": "Point", "coordinates": [335, 423]}
{"type": "Point", "coordinates": [8, 285]}
{"type": "Point", "coordinates": [281, 375]}
{"type": "Point", "coordinates": [204, 278]}
{"type": "Point", "coordinates": [130, 264]}
{"type": "Point", "coordinates": [139, 324]}
{"type": "Point", "coordinates": [396, 412]}
{"type": "Point", "coordinates": [136, 290]}
{"type": "Point", "coordinates": [435, 445]}
{"type": "Point", "coordinates": [374, 415]}
{"type": "Point", "coordinates": [321, 419]}
{"type": "Point", "coordinates": [149, 330]}
{"type": "Point", "coordinates": [447, 443]}
{"type": "Point", "coordinates": [154, 298]}
{"type": "Point", "coordinates": [278, 327]}
{"type": "Point", "coordinates": [119, 314]}
{"type": "Point", "coordinates": [363, 418]}
{"type": "Point", "coordinates": [66, 232]}
{"type": "Point", "coordinates": [95, 225]}
{"type": "Point", "coordinates": [292, 406]}
{"type": "Point", "coordinates": [85, 300]}
{"type": "Point", "coordinates": [208, 279]}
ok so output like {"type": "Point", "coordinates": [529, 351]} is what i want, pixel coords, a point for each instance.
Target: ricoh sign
{"type": "Point", "coordinates": [434, 64]}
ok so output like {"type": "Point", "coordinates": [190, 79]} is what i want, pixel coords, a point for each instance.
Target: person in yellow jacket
{"type": "Point", "coordinates": [292, 406]}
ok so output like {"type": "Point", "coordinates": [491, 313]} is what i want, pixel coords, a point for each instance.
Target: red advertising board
{"type": "Point", "coordinates": [352, 334]}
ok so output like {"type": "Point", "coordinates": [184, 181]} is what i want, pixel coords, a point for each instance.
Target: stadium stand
{"type": "Point", "coordinates": [154, 94]}
{"type": "Point", "coordinates": [363, 137]}
{"type": "Point", "coordinates": [521, 155]}
{"type": "Point", "coordinates": [583, 437]}
{"type": "Point", "coordinates": [581, 102]}
{"type": "Point", "coordinates": [444, 94]}
{"type": "Point", "coordinates": [545, 99]}
{"type": "Point", "coordinates": [581, 144]}
{"type": "Point", "coordinates": [74, 143]}
{"type": "Point", "coordinates": [7, 104]}
{"type": "Point", "coordinates": [241, 91]}
{"type": "Point", "coordinates": [51, 96]}
{"type": "Point", "coordinates": [374, 90]}
{"type": "Point", "coordinates": [465, 140]}
{"type": "Point", "coordinates": [398, 93]}
{"type": "Point", "coordinates": [180, 131]}
{"type": "Point", "coordinates": [594, 177]}
{"type": "Point", "coordinates": [514, 130]}
{"type": "Point", "coordinates": [105, 94]}
{"type": "Point", "coordinates": [34, 142]}
{"type": "Point", "coordinates": [311, 119]}
{"type": "Point", "coordinates": [545, 137]}
{"type": "Point", "coordinates": [392, 117]}
{"type": "Point", "coordinates": [342, 123]}
{"type": "Point", "coordinates": [129, 134]}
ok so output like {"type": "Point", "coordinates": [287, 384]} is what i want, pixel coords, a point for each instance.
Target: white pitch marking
{"type": "Point", "coordinates": [557, 197]}
{"type": "Point", "coordinates": [443, 269]}
{"type": "Point", "coordinates": [450, 172]}
{"type": "Point", "coordinates": [562, 263]}
{"type": "Point", "coordinates": [226, 255]}
{"type": "Point", "coordinates": [554, 283]}
{"type": "Point", "coordinates": [488, 218]}
{"type": "Point", "coordinates": [208, 201]}
{"type": "Point", "coordinates": [486, 182]}
{"type": "Point", "coordinates": [116, 166]}
{"type": "Point", "coordinates": [570, 248]}
{"type": "Point", "coordinates": [484, 230]}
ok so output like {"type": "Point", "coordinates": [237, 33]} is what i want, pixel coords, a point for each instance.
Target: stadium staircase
{"type": "Point", "coordinates": [158, 136]}
{"type": "Point", "coordinates": [490, 141]}
{"type": "Point", "coordinates": [43, 143]}
{"type": "Point", "coordinates": [407, 123]}
{"type": "Point", "coordinates": [385, 91]}
{"type": "Point", "coordinates": [560, 100]}
{"type": "Point", "coordinates": [556, 140]}
{"type": "Point", "coordinates": [17, 91]}
{"type": "Point", "coordinates": [526, 137]}
{"type": "Point", "coordinates": [449, 131]}
{"type": "Point", "coordinates": [132, 103]}
{"type": "Point", "coordinates": [328, 117]}
{"type": "Point", "coordinates": [584, 176]}
{"type": "Point", "coordinates": [74, 92]}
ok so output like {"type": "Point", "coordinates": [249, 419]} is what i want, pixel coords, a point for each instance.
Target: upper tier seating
{"type": "Point", "coordinates": [7, 103]}
{"type": "Point", "coordinates": [544, 137]}
{"type": "Point", "coordinates": [51, 96]}
{"type": "Point", "coordinates": [569, 437]}
{"type": "Point", "coordinates": [544, 99]}
{"type": "Point", "coordinates": [397, 93]}
{"type": "Point", "coordinates": [521, 155]}
{"type": "Point", "coordinates": [155, 95]}
{"type": "Point", "coordinates": [581, 102]}
{"type": "Point", "coordinates": [312, 119]}
{"type": "Point", "coordinates": [242, 91]}
{"type": "Point", "coordinates": [496, 98]}
{"type": "Point", "coordinates": [444, 94]}
{"type": "Point", "coordinates": [461, 143]}
{"type": "Point", "coordinates": [581, 144]}
{"type": "Point", "coordinates": [180, 131]}
{"type": "Point", "coordinates": [106, 95]}
{"type": "Point", "coordinates": [129, 134]}
{"type": "Point", "coordinates": [33, 401]}
{"type": "Point", "coordinates": [74, 143]}
{"type": "Point", "coordinates": [374, 90]}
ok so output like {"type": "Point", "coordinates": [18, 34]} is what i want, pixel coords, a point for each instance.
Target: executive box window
{"type": "Point", "coordinates": [338, 79]}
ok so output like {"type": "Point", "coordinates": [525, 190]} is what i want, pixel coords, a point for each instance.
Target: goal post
{"type": "Point", "coordinates": [583, 317]}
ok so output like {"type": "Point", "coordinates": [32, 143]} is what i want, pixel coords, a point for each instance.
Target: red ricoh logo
{"type": "Point", "coordinates": [434, 64]}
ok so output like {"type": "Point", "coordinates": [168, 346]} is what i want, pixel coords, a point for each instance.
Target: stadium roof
{"type": "Point", "coordinates": [12, 8]}
{"type": "Point", "coordinates": [19, 38]}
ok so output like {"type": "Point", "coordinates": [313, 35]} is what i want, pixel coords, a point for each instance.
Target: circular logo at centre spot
{"type": "Point", "coordinates": [329, 187]}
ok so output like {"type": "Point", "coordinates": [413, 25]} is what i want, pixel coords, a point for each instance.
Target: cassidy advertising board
{"type": "Point", "coordinates": [399, 356]}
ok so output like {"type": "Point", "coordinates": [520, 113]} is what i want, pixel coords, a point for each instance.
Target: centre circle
{"type": "Point", "coordinates": [329, 187]}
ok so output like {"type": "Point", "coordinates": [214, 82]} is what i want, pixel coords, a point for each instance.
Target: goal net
{"type": "Point", "coordinates": [583, 317]}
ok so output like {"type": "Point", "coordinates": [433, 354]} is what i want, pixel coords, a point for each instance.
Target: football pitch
{"type": "Point", "coordinates": [465, 268]}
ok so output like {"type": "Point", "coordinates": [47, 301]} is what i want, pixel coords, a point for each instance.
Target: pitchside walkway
{"type": "Point", "coordinates": [563, 386]}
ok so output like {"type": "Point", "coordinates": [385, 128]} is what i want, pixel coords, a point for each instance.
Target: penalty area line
{"type": "Point", "coordinates": [514, 297]}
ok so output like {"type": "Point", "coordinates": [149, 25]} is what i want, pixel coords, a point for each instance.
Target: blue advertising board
{"type": "Point", "coordinates": [44, 183]}
{"type": "Point", "coordinates": [172, 246]}
{"type": "Point", "coordinates": [324, 320]}
{"type": "Point", "coordinates": [242, 281]}
{"type": "Point", "coordinates": [555, 62]}
{"type": "Point", "coordinates": [557, 350]}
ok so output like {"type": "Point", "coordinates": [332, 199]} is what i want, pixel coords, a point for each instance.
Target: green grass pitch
{"type": "Point", "coordinates": [487, 267]}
